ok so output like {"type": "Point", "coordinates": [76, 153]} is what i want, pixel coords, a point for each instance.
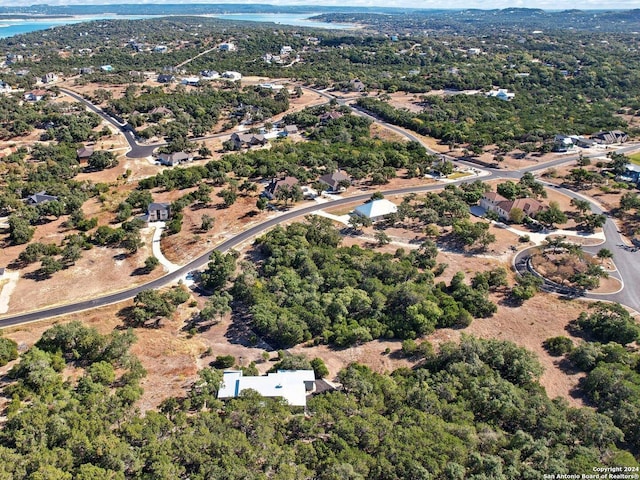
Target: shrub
{"type": "Point", "coordinates": [558, 346]}
{"type": "Point", "coordinates": [224, 361]}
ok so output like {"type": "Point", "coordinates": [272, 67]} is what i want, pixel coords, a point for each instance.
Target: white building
{"type": "Point", "coordinates": [502, 94]}
{"type": "Point", "coordinates": [233, 76]}
{"type": "Point", "coordinates": [226, 47]}
{"type": "Point", "coordinates": [376, 209]}
{"type": "Point", "coordinates": [193, 81]}
{"type": "Point", "coordinates": [291, 385]}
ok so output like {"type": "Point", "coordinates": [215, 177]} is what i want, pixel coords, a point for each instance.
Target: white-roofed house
{"type": "Point", "coordinates": [376, 209]}
{"type": "Point", "coordinates": [291, 385]}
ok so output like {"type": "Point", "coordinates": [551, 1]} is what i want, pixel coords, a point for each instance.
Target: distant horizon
{"type": "Point", "coordinates": [548, 5]}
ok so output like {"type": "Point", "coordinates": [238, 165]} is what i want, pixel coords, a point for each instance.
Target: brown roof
{"type": "Point", "coordinates": [494, 197]}
{"type": "Point", "coordinates": [529, 206]}
{"type": "Point", "coordinates": [276, 184]}
{"type": "Point", "coordinates": [333, 179]}
{"type": "Point", "coordinates": [84, 152]}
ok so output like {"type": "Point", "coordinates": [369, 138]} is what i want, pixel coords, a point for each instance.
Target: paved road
{"type": "Point", "coordinates": [626, 260]}
{"type": "Point", "coordinates": [199, 262]}
{"type": "Point", "coordinates": [627, 271]}
{"type": "Point", "coordinates": [136, 150]}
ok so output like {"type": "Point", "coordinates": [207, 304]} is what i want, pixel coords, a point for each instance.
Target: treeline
{"type": "Point", "coordinates": [474, 410]}
{"type": "Point", "coordinates": [611, 364]}
{"type": "Point", "coordinates": [195, 112]}
{"type": "Point", "coordinates": [63, 122]}
{"type": "Point", "coordinates": [481, 121]}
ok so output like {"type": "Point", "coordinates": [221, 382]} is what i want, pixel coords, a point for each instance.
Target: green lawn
{"type": "Point", "coordinates": [635, 158]}
{"type": "Point", "coordinates": [457, 175]}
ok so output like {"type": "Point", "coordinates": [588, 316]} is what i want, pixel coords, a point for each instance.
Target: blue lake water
{"type": "Point", "coordinates": [293, 19]}
{"type": "Point", "coordinates": [9, 28]}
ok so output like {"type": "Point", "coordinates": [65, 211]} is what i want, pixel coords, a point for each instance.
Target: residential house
{"type": "Point", "coordinates": [611, 137]}
{"type": "Point", "coordinates": [290, 385]}
{"type": "Point", "coordinates": [158, 212]}
{"type": "Point", "coordinates": [84, 153]}
{"type": "Point", "coordinates": [14, 58]}
{"type": "Point", "coordinates": [191, 81]}
{"type": "Point", "coordinates": [494, 202]}
{"type": "Point", "coordinates": [376, 209]}
{"type": "Point", "coordinates": [35, 95]}
{"type": "Point", "coordinates": [106, 68]}
{"type": "Point", "coordinates": [272, 189]}
{"type": "Point", "coordinates": [271, 86]}
{"type": "Point", "coordinates": [160, 111]}
{"type": "Point", "coordinates": [502, 94]}
{"type": "Point", "coordinates": [335, 180]}
{"type": "Point", "coordinates": [5, 87]}
{"type": "Point", "coordinates": [233, 76]}
{"type": "Point", "coordinates": [285, 50]}
{"type": "Point", "coordinates": [288, 130]}
{"type": "Point", "coordinates": [227, 47]}
{"type": "Point", "coordinates": [160, 49]}
{"type": "Point", "coordinates": [40, 197]}
{"type": "Point", "coordinates": [357, 85]}
{"type": "Point", "coordinates": [49, 78]}
{"type": "Point", "coordinates": [176, 158]}
{"type": "Point", "coordinates": [631, 174]}
{"type": "Point", "coordinates": [166, 78]}
{"type": "Point", "coordinates": [327, 117]}
{"type": "Point", "coordinates": [85, 71]}
{"type": "Point", "coordinates": [563, 143]}
{"type": "Point", "coordinates": [247, 140]}
{"type": "Point", "coordinates": [209, 74]}
{"type": "Point", "coordinates": [584, 142]}
{"type": "Point", "coordinates": [474, 51]}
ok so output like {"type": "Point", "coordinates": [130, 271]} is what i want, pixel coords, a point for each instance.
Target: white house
{"type": "Point", "coordinates": [376, 209]}
{"type": "Point", "coordinates": [233, 76]}
{"type": "Point", "coordinates": [192, 81]}
{"type": "Point", "coordinates": [226, 47]}
{"type": "Point", "coordinates": [291, 385]}
{"type": "Point", "coordinates": [502, 94]}
{"type": "Point", "coordinates": [209, 74]}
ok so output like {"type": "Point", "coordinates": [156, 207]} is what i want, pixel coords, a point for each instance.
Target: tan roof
{"type": "Point", "coordinates": [494, 197]}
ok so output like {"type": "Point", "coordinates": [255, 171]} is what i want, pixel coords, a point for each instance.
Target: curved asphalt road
{"type": "Point", "coordinates": [136, 150]}
{"type": "Point", "coordinates": [199, 262]}
{"type": "Point", "coordinates": [625, 260]}
{"type": "Point", "coordinates": [630, 297]}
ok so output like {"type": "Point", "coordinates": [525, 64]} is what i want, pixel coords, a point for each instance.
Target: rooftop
{"type": "Point", "coordinates": [288, 384]}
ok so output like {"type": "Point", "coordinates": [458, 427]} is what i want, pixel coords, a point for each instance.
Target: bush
{"type": "Point", "coordinates": [8, 351]}
{"type": "Point", "coordinates": [558, 346]}
{"type": "Point", "coordinates": [610, 322]}
{"type": "Point", "coordinates": [224, 361]}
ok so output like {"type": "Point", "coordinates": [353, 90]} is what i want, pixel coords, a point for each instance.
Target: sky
{"type": "Point", "coordinates": [486, 4]}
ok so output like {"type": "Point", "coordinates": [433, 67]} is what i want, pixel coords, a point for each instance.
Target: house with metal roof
{"type": "Point", "coordinates": [291, 385]}
{"type": "Point", "coordinates": [376, 209]}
